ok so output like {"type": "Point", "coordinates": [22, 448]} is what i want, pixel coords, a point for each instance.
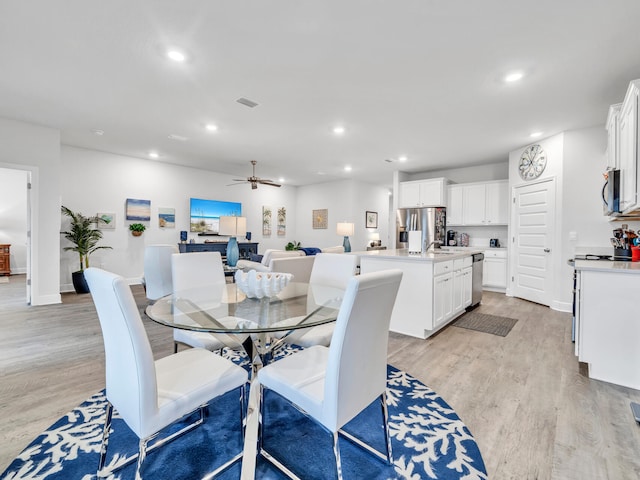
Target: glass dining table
{"type": "Point", "coordinates": [257, 326]}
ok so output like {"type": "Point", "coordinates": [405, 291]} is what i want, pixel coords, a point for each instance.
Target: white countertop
{"type": "Point", "coordinates": [605, 266]}
{"type": "Point", "coordinates": [403, 254]}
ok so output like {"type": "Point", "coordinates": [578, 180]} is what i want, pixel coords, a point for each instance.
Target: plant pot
{"type": "Point", "coordinates": [136, 233]}
{"type": "Point", "coordinates": [79, 282]}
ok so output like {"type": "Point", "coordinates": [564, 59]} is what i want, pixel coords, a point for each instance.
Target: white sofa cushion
{"type": "Point", "coordinates": [337, 249]}
{"type": "Point", "coordinates": [271, 253]}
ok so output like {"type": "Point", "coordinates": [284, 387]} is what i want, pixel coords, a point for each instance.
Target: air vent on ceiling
{"type": "Point", "coordinates": [388, 160]}
{"type": "Point", "coordinates": [247, 102]}
{"type": "Point", "coordinates": [179, 138]}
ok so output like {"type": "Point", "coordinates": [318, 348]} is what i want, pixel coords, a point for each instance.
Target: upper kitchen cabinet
{"type": "Point", "coordinates": [485, 203]}
{"type": "Point", "coordinates": [628, 149]}
{"type": "Point", "coordinates": [423, 193]}
{"type": "Point", "coordinates": [613, 118]}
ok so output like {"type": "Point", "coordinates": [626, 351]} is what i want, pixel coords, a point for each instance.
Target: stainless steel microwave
{"type": "Point", "coordinates": [611, 192]}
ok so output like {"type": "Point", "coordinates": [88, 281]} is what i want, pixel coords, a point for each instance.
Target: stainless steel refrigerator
{"type": "Point", "coordinates": [430, 221]}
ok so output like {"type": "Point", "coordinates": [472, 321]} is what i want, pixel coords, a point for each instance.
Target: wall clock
{"type": "Point", "coordinates": [532, 162]}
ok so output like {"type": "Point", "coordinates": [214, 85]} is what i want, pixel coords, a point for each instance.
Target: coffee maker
{"type": "Point", "coordinates": [451, 238]}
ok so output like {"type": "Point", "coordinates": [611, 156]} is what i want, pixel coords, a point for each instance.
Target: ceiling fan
{"type": "Point", "coordinates": [253, 180]}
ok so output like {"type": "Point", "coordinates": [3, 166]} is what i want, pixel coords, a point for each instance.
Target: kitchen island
{"type": "Point", "coordinates": [435, 287]}
{"type": "Point", "coordinates": [607, 330]}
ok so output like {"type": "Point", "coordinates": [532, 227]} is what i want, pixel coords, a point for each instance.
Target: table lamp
{"type": "Point", "coordinates": [345, 229]}
{"type": "Point", "coordinates": [233, 226]}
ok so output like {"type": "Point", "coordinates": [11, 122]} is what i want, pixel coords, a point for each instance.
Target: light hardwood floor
{"type": "Point", "coordinates": [525, 398]}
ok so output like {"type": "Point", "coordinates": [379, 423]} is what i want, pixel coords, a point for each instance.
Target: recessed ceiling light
{"type": "Point", "coordinates": [97, 131]}
{"type": "Point", "coordinates": [211, 127]}
{"type": "Point", "coordinates": [347, 168]}
{"type": "Point", "coordinates": [402, 158]}
{"type": "Point", "coordinates": [513, 77]}
{"type": "Point", "coordinates": [536, 134]}
{"type": "Point", "coordinates": [154, 155]}
{"type": "Point", "coordinates": [339, 130]}
{"type": "Point", "coordinates": [176, 55]}
{"type": "Point", "coordinates": [281, 180]}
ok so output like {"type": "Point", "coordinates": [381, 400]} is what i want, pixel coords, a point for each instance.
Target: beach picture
{"type": "Point", "coordinates": [107, 221]}
{"type": "Point", "coordinates": [266, 220]}
{"type": "Point", "coordinates": [166, 217]}
{"type": "Point", "coordinates": [139, 210]}
{"type": "Point", "coordinates": [282, 221]}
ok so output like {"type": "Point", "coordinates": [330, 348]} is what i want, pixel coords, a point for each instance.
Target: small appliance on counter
{"type": "Point", "coordinates": [451, 238]}
{"type": "Point", "coordinates": [494, 243]}
{"type": "Point", "coordinates": [415, 241]}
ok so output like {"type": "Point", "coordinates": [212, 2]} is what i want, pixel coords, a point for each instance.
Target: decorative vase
{"type": "Point", "coordinates": [136, 233]}
{"type": "Point", "coordinates": [262, 284]}
{"type": "Point", "coordinates": [79, 283]}
{"type": "Point", "coordinates": [233, 253]}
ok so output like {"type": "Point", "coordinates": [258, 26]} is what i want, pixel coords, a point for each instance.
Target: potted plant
{"type": "Point", "coordinates": [137, 229]}
{"type": "Point", "coordinates": [292, 246]}
{"type": "Point", "coordinates": [84, 235]}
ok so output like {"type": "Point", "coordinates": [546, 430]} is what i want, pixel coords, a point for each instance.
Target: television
{"type": "Point", "coordinates": [205, 214]}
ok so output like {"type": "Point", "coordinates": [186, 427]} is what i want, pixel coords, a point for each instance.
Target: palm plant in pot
{"type": "Point", "coordinates": [84, 236]}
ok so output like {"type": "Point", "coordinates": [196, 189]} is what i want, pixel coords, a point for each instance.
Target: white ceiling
{"type": "Point", "coordinates": [421, 78]}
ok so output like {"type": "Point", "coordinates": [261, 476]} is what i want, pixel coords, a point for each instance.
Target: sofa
{"type": "Point", "coordinates": [296, 262]}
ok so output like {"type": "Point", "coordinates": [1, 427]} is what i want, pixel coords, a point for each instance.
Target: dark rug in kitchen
{"type": "Point", "coordinates": [483, 322]}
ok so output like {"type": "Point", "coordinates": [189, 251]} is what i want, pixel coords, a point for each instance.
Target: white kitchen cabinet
{"type": "Point", "coordinates": [442, 299]}
{"type": "Point", "coordinates": [462, 283]}
{"type": "Point", "coordinates": [422, 193]}
{"type": "Point", "coordinates": [467, 284]}
{"type": "Point", "coordinates": [484, 203]}
{"type": "Point", "coordinates": [607, 332]}
{"type": "Point", "coordinates": [628, 149]}
{"type": "Point", "coordinates": [613, 119]}
{"type": "Point", "coordinates": [454, 205]}
{"type": "Point", "coordinates": [494, 270]}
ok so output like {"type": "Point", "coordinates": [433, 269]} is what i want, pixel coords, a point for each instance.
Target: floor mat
{"type": "Point", "coordinates": [483, 322]}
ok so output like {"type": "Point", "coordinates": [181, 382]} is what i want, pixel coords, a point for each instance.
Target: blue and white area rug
{"type": "Point", "coordinates": [429, 442]}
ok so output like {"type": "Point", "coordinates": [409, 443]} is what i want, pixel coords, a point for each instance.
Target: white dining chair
{"type": "Point", "coordinates": [151, 395]}
{"type": "Point", "coordinates": [157, 271]}
{"type": "Point", "coordinates": [333, 384]}
{"type": "Point", "coordinates": [201, 274]}
{"type": "Point", "coordinates": [329, 270]}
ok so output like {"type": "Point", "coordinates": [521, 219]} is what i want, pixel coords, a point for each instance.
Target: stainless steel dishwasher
{"type": "Point", "coordinates": [476, 279]}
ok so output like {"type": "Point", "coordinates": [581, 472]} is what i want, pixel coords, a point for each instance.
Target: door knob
{"type": "Point", "coordinates": [547, 250]}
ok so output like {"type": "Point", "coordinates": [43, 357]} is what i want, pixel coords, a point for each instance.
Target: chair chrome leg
{"type": "Point", "coordinates": [243, 396]}
{"type": "Point", "coordinates": [105, 436]}
{"type": "Point", "coordinates": [385, 419]}
{"type": "Point", "coordinates": [261, 419]}
{"type": "Point", "coordinates": [175, 347]}
{"type": "Point", "coordinates": [142, 453]}
{"type": "Point", "coordinates": [336, 453]}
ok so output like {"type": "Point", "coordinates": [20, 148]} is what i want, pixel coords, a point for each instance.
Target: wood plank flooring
{"type": "Point", "coordinates": [525, 398]}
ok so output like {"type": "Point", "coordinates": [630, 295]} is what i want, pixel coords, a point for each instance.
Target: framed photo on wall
{"type": "Point", "coordinates": [320, 218]}
{"type": "Point", "coordinates": [371, 219]}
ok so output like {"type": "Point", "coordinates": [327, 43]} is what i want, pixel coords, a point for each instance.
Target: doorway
{"type": "Point", "coordinates": [533, 235]}
{"type": "Point", "coordinates": [15, 225]}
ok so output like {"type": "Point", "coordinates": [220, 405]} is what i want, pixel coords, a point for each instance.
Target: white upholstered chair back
{"type": "Point", "coordinates": [130, 368]}
{"type": "Point", "coordinates": [333, 269]}
{"type": "Point", "coordinates": [196, 270]}
{"type": "Point", "coordinates": [157, 270]}
{"type": "Point", "coordinates": [357, 365]}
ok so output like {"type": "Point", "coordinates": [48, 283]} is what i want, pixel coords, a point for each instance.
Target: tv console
{"type": "Point", "coordinates": [246, 248]}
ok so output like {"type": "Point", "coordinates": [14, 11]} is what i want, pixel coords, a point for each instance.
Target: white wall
{"type": "Point", "coordinates": [477, 173]}
{"type": "Point", "coordinates": [346, 201]}
{"type": "Point", "coordinates": [37, 150]}
{"type": "Point", "coordinates": [13, 216]}
{"type": "Point", "coordinates": [95, 182]}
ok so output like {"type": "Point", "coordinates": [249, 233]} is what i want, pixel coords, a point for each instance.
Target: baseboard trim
{"type": "Point", "coordinates": [561, 306]}
{"type": "Point", "coordinates": [46, 299]}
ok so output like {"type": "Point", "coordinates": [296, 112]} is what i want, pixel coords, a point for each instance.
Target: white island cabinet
{"type": "Point", "coordinates": [435, 288]}
{"type": "Point", "coordinates": [607, 322]}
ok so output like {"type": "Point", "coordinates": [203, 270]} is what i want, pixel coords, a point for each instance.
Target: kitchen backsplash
{"type": "Point", "coordinates": [480, 236]}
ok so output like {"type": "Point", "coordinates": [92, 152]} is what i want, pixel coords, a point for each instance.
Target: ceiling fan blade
{"type": "Point", "coordinates": [240, 180]}
{"type": "Point", "coordinates": [238, 183]}
{"type": "Point", "coordinates": [269, 182]}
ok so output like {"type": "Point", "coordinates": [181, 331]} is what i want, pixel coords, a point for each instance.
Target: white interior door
{"type": "Point", "coordinates": [533, 237]}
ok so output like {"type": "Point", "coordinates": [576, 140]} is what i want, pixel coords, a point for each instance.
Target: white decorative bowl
{"type": "Point", "coordinates": [262, 284]}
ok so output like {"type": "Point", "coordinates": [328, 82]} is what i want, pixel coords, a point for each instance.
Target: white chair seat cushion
{"type": "Point", "coordinates": [299, 378]}
{"type": "Point", "coordinates": [190, 377]}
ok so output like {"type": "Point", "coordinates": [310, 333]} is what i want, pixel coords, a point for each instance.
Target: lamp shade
{"type": "Point", "coordinates": [233, 226]}
{"type": "Point", "coordinates": [345, 229]}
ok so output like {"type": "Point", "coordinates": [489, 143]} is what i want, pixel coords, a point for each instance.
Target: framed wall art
{"type": "Point", "coordinates": [320, 218]}
{"type": "Point", "coordinates": [138, 210]}
{"type": "Point", "coordinates": [282, 221]}
{"type": "Point", "coordinates": [371, 219]}
{"type": "Point", "coordinates": [167, 217]}
{"type": "Point", "coordinates": [107, 221]}
{"type": "Point", "coordinates": [266, 220]}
